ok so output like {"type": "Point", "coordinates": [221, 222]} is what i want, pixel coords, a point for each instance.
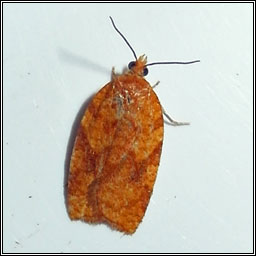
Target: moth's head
{"type": "Point", "coordinates": [138, 66]}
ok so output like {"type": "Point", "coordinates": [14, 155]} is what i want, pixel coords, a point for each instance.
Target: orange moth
{"type": "Point", "coordinates": [117, 150]}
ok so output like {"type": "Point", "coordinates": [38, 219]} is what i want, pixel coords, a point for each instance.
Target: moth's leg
{"type": "Point", "coordinates": [157, 83]}
{"type": "Point", "coordinates": [173, 122]}
{"type": "Point", "coordinates": [113, 73]}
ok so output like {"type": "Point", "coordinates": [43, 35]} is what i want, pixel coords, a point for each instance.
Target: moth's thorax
{"type": "Point", "coordinates": [131, 90]}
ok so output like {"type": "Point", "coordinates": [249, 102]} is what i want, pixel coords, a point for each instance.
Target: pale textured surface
{"type": "Point", "coordinates": [57, 56]}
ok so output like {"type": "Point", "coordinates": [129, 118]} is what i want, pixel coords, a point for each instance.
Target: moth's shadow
{"type": "Point", "coordinates": [82, 62]}
{"type": "Point", "coordinates": [70, 144]}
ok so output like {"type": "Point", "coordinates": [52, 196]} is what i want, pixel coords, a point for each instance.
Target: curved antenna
{"type": "Point", "coordinates": [171, 62]}
{"type": "Point", "coordinates": [123, 37]}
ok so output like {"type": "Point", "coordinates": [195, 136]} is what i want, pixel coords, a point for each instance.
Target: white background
{"type": "Point", "coordinates": [56, 56]}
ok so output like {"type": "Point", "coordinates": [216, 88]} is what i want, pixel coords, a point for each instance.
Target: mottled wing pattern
{"type": "Point", "coordinates": [116, 154]}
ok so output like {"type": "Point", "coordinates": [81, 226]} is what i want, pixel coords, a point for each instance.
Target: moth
{"type": "Point", "coordinates": [117, 150]}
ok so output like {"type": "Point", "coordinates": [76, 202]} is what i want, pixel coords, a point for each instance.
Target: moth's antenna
{"type": "Point", "coordinates": [123, 37]}
{"type": "Point", "coordinates": [171, 62]}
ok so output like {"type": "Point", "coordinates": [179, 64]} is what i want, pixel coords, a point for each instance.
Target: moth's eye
{"type": "Point", "coordinates": [131, 64]}
{"type": "Point", "coordinates": [145, 71]}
